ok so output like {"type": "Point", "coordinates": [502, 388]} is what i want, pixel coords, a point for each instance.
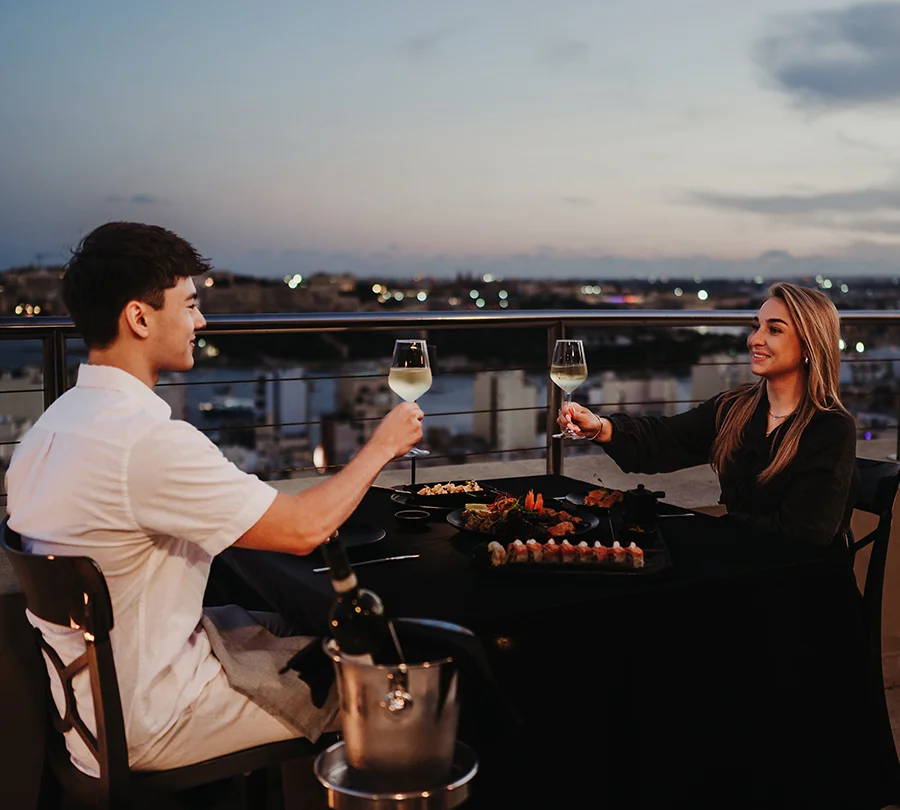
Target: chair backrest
{"type": "Point", "coordinates": [879, 480]}
{"type": "Point", "coordinates": [71, 592]}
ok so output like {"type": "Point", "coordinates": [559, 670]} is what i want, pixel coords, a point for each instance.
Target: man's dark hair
{"type": "Point", "coordinates": [121, 262]}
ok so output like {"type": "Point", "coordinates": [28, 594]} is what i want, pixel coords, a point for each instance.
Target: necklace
{"type": "Point", "coordinates": [776, 416]}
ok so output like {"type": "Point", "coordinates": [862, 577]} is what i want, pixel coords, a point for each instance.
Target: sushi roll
{"type": "Point", "coordinates": [517, 552]}
{"type": "Point", "coordinates": [585, 552]}
{"type": "Point", "coordinates": [551, 552]}
{"type": "Point", "coordinates": [618, 553]}
{"type": "Point", "coordinates": [498, 553]}
{"type": "Point", "coordinates": [535, 550]}
{"type": "Point", "coordinates": [569, 555]}
{"type": "Point", "coordinates": [601, 553]}
{"type": "Point", "coordinates": [634, 556]}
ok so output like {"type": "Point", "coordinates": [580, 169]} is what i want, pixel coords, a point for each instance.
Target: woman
{"type": "Point", "coordinates": [784, 448]}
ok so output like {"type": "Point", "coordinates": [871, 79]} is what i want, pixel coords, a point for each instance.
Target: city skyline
{"type": "Point", "coordinates": [586, 139]}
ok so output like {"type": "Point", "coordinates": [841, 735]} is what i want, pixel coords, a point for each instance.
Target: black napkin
{"type": "Point", "coordinates": [315, 669]}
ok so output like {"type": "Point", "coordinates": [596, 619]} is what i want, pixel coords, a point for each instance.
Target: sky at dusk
{"type": "Point", "coordinates": [579, 137]}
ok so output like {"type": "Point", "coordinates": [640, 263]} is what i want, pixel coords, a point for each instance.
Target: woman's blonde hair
{"type": "Point", "coordinates": [818, 327]}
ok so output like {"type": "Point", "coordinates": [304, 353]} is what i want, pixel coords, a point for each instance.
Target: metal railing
{"type": "Point", "coordinates": [55, 332]}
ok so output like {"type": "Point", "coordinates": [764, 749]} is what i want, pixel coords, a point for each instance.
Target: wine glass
{"type": "Point", "coordinates": [410, 376]}
{"type": "Point", "coordinates": [568, 370]}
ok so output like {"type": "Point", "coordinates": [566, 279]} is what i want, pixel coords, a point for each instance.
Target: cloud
{"type": "Point", "coordinates": [565, 52]}
{"type": "Point", "coordinates": [578, 200]}
{"type": "Point", "coordinates": [425, 45]}
{"type": "Point", "coordinates": [134, 199]}
{"type": "Point", "coordinates": [853, 201]}
{"type": "Point", "coordinates": [836, 58]}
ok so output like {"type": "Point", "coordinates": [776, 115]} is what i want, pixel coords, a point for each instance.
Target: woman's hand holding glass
{"type": "Point", "coordinates": [578, 421]}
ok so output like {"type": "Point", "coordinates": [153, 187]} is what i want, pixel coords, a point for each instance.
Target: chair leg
{"type": "Point", "coordinates": [256, 789]}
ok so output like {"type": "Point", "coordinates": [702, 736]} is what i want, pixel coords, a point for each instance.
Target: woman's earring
{"type": "Point", "coordinates": [806, 360]}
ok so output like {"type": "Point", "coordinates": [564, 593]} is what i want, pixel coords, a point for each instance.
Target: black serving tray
{"type": "Point", "coordinates": [656, 554]}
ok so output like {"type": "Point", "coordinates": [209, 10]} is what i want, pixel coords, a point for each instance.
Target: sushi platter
{"type": "Point", "coordinates": [509, 517]}
{"type": "Point", "coordinates": [522, 540]}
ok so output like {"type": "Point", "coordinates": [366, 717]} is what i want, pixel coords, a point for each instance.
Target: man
{"type": "Point", "coordinates": [106, 473]}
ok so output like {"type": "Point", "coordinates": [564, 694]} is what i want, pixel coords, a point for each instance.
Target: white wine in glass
{"type": "Point", "coordinates": [568, 370]}
{"type": "Point", "coordinates": [410, 375]}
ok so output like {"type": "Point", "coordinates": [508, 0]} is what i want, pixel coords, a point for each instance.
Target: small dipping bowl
{"type": "Point", "coordinates": [412, 520]}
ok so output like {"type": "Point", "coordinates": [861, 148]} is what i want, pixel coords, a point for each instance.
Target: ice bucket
{"type": "Point", "coordinates": [399, 721]}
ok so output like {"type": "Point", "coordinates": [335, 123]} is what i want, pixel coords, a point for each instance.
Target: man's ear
{"type": "Point", "coordinates": [134, 319]}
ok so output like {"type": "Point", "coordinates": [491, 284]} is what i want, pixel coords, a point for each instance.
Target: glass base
{"type": "Point", "coordinates": [567, 435]}
{"type": "Point", "coordinates": [417, 452]}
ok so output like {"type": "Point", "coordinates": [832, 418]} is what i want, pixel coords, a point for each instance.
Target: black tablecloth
{"type": "Point", "coordinates": [736, 678]}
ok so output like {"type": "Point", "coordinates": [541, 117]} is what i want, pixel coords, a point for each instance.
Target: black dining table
{"type": "Point", "coordinates": [735, 678]}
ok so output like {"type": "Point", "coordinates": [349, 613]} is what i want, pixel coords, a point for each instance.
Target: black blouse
{"type": "Point", "coordinates": [810, 501]}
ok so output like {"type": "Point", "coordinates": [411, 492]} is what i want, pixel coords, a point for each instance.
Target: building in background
{"type": "Point", "coordinates": [642, 394]}
{"type": "Point", "coordinates": [714, 373]}
{"type": "Point", "coordinates": [506, 410]}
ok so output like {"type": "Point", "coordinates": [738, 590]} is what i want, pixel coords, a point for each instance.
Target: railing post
{"type": "Point", "coordinates": [54, 370]}
{"type": "Point", "coordinates": [897, 456]}
{"type": "Point", "coordinates": [556, 331]}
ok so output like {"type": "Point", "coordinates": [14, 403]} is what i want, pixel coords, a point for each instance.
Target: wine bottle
{"type": "Point", "coordinates": [357, 620]}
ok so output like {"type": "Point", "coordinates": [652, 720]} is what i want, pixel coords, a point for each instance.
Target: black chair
{"type": "Point", "coordinates": [880, 480]}
{"type": "Point", "coordinates": [72, 592]}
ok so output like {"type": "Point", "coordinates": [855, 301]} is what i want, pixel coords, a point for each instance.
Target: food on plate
{"type": "Point", "coordinates": [634, 556]}
{"type": "Point", "coordinates": [451, 489]}
{"type": "Point", "coordinates": [551, 552]}
{"type": "Point", "coordinates": [498, 553]}
{"type": "Point", "coordinates": [603, 497]}
{"type": "Point", "coordinates": [513, 518]}
{"type": "Point", "coordinates": [492, 555]}
{"type": "Point", "coordinates": [535, 550]}
{"type": "Point", "coordinates": [517, 552]}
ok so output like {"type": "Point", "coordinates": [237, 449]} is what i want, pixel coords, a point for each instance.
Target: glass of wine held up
{"type": "Point", "coordinates": [568, 370]}
{"type": "Point", "coordinates": [410, 376]}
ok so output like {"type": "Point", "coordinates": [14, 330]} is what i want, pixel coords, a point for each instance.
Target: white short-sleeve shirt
{"type": "Point", "coordinates": [106, 473]}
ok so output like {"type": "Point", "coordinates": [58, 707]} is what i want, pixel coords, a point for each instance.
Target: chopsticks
{"type": "Point", "coordinates": [369, 562]}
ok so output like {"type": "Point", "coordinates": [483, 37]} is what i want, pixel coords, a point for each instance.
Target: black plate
{"type": "Point", "coordinates": [408, 493]}
{"type": "Point", "coordinates": [360, 534]}
{"type": "Point", "coordinates": [406, 500]}
{"type": "Point", "coordinates": [588, 523]}
{"type": "Point", "coordinates": [577, 498]}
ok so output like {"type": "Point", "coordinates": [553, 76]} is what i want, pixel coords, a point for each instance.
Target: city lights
{"type": "Point", "coordinates": [293, 281]}
{"type": "Point", "coordinates": [702, 295]}
{"type": "Point", "coordinates": [422, 296]}
{"type": "Point", "coordinates": [860, 347]}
